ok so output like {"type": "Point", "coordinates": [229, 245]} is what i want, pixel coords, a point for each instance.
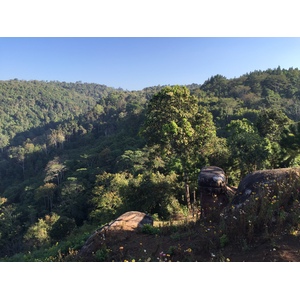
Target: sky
{"type": "Point", "coordinates": [134, 63]}
{"type": "Point", "coordinates": [133, 45]}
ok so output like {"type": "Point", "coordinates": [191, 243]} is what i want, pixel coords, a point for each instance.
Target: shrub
{"type": "Point", "coordinates": [153, 193]}
{"type": "Point", "coordinates": [149, 229]}
{"type": "Point", "coordinates": [224, 240]}
{"type": "Point", "coordinates": [61, 228]}
{"type": "Point", "coordinates": [38, 233]}
{"type": "Point", "coordinates": [102, 254]}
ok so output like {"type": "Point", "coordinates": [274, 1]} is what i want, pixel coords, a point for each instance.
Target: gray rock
{"type": "Point", "coordinates": [257, 183]}
{"type": "Point", "coordinates": [127, 222]}
{"type": "Point", "coordinates": [213, 191]}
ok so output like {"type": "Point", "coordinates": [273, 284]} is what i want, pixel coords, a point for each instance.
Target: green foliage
{"type": "Point", "coordinates": [290, 142]}
{"type": "Point", "coordinates": [116, 193]}
{"type": "Point", "coordinates": [76, 149]}
{"type": "Point", "coordinates": [27, 104]}
{"type": "Point", "coordinates": [152, 193]}
{"type": "Point", "coordinates": [249, 151]}
{"type": "Point", "coordinates": [134, 162]}
{"type": "Point", "coordinates": [149, 229]}
{"type": "Point", "coordinates": [176, 123]}
{"type": "Point", "coordinates": [224, 240]}
{"type": "Point", "coordinates": [38, 233]}
{"type": "Point", "coordinates": [44, 195]}
{"type": "Point", "coordinates": [168, 119]}
{"type": "Point", "coordinates": [271, 123]}
{"type": "Point", "coordinates": [107, 200]}
{"type": "Point", "coordinates": [61, 228]}
{"type": "Point", "coordinates": [72, 203]}
{"type": "Point", "coordinates": [102, 254]}
{"type": "Point", "coordinates": [216, 85]}
{"type": "Point", "coordinates": [11, 228]}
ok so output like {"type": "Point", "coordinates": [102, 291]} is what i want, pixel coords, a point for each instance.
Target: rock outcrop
{"type": "Point", "coordinates": [117, 229]}
{"type": "Point", "coordinates": [213, 191]}
{"type": "Point", "coordinates": [267, 182]}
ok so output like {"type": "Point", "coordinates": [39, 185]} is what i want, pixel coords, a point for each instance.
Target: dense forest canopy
{"type": "Point", "coordinates": [74, 155]}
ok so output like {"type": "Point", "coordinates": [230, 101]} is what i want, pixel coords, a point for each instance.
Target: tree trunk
{"type": "Point", "coordinates": [187, 196]}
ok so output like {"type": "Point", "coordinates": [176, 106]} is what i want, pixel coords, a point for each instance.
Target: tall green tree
{"type": "Point", "coordinates": [249, 151]}
{"type": "Point", "coordinates": [271, 124]}
{"type": "Point", "coordinates": [154, 193]}
{"type": "Point", "coordinates": [55, 170]}
{"type": "Point", "coordinates": [179, 127]}
{"type": "Point", "coordinates": [290, 145]}
{"type": "Point", "coordinates": [4, 141]}
{"type": "Point", "coordinates": [10, 228]}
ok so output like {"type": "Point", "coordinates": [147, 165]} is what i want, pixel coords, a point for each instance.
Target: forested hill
{"type": "Point", "coordinates": [273, 88]}
{"type": "Point", "coordinates": [31, 104]}
{"type": "Point", "coordinates": [75, 155]}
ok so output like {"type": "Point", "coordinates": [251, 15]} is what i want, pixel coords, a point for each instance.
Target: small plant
{"type": "Point", "coordinates": [149, 229]}
{"type": "Point", "coordinates": [172, 250]}
{"type": "Point", "coordinates": [101, 255]}
{"type": "Point", "coordinates": [155, 217]}
{"type": "Point", "coordinates": [224, 240]}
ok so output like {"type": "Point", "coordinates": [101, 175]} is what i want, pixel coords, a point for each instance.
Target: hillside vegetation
{"type": "Point", "coordinates": [74, 156]}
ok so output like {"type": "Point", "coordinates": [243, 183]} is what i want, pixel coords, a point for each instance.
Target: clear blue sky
{"type": "Point", "coordinates": [135, 63]}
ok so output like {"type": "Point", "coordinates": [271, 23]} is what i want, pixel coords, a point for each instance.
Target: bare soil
{"type": "Point", "coordinates": [195, 242]}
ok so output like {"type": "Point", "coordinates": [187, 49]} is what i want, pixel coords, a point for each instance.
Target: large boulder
{"type": "Point", "coordinates": [267, 183]}
{"type": "Point", "coordinates": [213, 191]}
{"type": "Point", "coordinates": [212, 179]}
{"type": "Point", "coordinates": [118, 229]}
{"type": "Point", "coordinates": [266, 201]}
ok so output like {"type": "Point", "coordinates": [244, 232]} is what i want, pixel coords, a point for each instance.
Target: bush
{"type": "Point", "coordinates": [102, 254]}
{"type": "Point", "coordinates": [153, 193]}
{"type": "Point", "coordinates": [38, 233]}
{"type": "Point", "coordinates": [61, 228]}
{"type": "Point", "coordinates": [149, 229]}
